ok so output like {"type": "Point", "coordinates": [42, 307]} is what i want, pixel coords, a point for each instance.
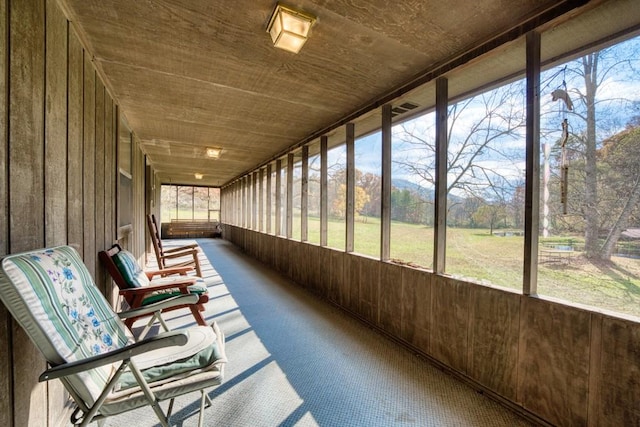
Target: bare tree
{"type": "Point", "coordinates": [594, 116]}
{"type": "Point", "coordinates": [485, 145]}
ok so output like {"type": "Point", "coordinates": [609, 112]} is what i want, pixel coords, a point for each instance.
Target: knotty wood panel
{"type": "Point", "coordinates": [4, 223]}
{"type": "Point", "coordinates": [299, 270]}
{"type": "Point", "coordinates": [390, 299]}
{"type": "Point", "coordinates": [449, 322]}
{"type": "Point", "coordinates": [553, 361]}
{"type": "Point", "coordinates": [350, 292]}
{"type": "Point", "coordinates": [352, 283]}
{"type": "Point", "coordinates": [370, 289]}
{"type": "Point", "coordinates": [75, 129]}
{"type": "Point", "coordinates": [336, 275]}
{"type": "Point", "coordinates": [88, 168]}
{"type": "Point", "coordinates": [324, 265]}
{"type": "Point", "coordinates": [493, 339]}
{"type": "Point", "coordinates": [55, 164]}
{"type": "Point", "coordinates": [110, 171]}
{"type": "Point", "coordinates": [6, 402]}
{"type": "Point", "coordinates": [26, 138]}
{"type": "Point", "coordinates": [26, 186]}
{"type": "Point", "coordinates": [99, 182]}
{"type": "Point", "coordinates": [595, 407]}
{"type": "Point", "coordinates": [619, 394]}
{"type": "Point", "coordinates": [416, 308]}
{"type": "Point", "coordinates": [55, 172]}
{"type": "Point", "coordinates": [314, 266]}
{"type": "Point", "coordinates": [138, 205]}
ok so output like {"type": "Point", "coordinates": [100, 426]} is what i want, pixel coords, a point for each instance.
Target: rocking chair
{"type": "Point", "coordinates": [175, 257]}
{"type": "Point", "coordinates": [52, 296]}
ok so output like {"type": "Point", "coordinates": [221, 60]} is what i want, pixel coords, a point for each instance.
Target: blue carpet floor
{"type": "Point", "coordinates": [295, 360]}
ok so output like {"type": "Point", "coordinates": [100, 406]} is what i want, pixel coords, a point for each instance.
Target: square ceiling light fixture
{"type": "Point", "coordinates": [214, 153]}
{"type": "Point", "coordinates": [289, 28]}
{"type": "Point", "coordinates": [198, 175]}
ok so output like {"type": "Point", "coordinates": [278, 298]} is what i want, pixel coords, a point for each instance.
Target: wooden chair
{"type": "Point", "coordinates": [175, 257]}
{"type": "Point", "coordinates": [51, 295]}
{"type": "Point", "coordinates": [139, 290]}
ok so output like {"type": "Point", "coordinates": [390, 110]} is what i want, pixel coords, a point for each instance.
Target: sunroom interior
{"type": "Point", "coordinates": [458, 177]}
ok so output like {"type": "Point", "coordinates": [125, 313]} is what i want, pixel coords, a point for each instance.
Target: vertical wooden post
{"type": "Point", "coordinates": [440, 223]}
{"type": "Point", "coordinates": [532, 173]}
{"type": "Point", "coordinates": [385, 199]}
{"type": "Point", "coordinates": [254, 202]}
{"type": "Point", "coordinates": [235, 203]}
{"type": "Point", "coordinates": [249, 184]}
{"type": "Point", "coordinates": [243, 200]}
{"type": "Point", "coordinates": [324, 209]}
{"type": "Point", "coordinates": [261, 200]}
{"type": "Point", "coordinates": [278, 197]}
{"type": "Point", "coordinates": [234, 196]}
{"type": "Point", "coordinates": [269, 203]}
{"type": "Point", "coordinates": [289, 195]}
{"type": "Point", "coordinates": [351, 187]}
{"type": "Point", "coordinates": [304, 196]}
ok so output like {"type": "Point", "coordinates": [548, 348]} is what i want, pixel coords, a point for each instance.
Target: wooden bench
{"type": "Point", "coordinates": [560, 256]}
{"type": "Point", "coordinates": [177, 229]}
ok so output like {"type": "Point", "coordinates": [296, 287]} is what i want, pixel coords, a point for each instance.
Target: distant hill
{"type": "Point", "coordinates": [424, 193]}
{"type": "Point", "coordinates": [403, 184]}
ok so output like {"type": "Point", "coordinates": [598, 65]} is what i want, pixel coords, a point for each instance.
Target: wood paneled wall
{"type": "Point", "coordinates": [559, 364]}
{"type": "Point", "coordinates": [58, 176]}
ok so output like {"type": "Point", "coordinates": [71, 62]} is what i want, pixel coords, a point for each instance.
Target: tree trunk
{"type": "Point", "coordinates": [590, 205]}
{"type": "Point", "coordinates": [621, 222]}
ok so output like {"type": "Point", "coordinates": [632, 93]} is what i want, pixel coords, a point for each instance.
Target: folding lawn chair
{"type": "Point", "coordinates": [51, 294]}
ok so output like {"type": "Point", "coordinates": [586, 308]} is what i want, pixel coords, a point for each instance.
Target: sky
{"type": "Point", "coordinates": [618, 100]}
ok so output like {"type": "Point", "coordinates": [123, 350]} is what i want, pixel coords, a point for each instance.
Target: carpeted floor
{"type": "Point", "coordinates": [295, 360]}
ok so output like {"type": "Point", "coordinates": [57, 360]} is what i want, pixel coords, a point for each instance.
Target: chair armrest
{"type": "Point", "coordinates": [184, 299]}
{"type": "Point", "coordinates": [167, 339]}
{"type": "Point", "coordinates": [168, 271]}
{"type": "Point", "coordinates": [192, 252]}
{"type": "Point", "coordinates": [181, 248]}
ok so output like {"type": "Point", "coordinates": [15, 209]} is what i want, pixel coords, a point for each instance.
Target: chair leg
{"type": "Point", "coordinates": [170, 407]}
{"type": "Point", "coordinates": [204, 397]}
{"type": "Point", "coordinates": [157, 315]}
{"type": "Point", "coordinates": [209, 402]}
{"type": "Point", "coordinates": [197, 265]}
{"type": "Point", "coordinates": [151, 398]}
{"type": "Point", "coordinates": [198, 316]}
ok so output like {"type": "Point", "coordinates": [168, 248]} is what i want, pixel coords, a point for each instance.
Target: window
{"type": "Point", "coordinates": [368, 187]}
{"type": "Point", "coordinates": [273, 190]}
{"type": "Point", "coordinates": [297, 196]}
{"type": "Point", "coordinates": [485, 174]}
{"type": "Point", "coordinates": [313, 208]}
{"type": "Point", "coordinates": [337, 196]}
{"type": "Point", "coordinates": [188, 203]}
{"type": "Point", "coordinates": [412, 191]}
{"type": "Point", "coordinates": [282, 190]}
{"type": "Point", "coordinates": [589, 247]}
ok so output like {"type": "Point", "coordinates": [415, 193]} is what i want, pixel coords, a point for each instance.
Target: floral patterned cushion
{"type": "Point", "coordinates": [53, 297]}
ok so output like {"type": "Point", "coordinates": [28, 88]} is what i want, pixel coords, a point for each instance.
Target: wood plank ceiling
{"type": "Point", "coordinates": [191, 74]}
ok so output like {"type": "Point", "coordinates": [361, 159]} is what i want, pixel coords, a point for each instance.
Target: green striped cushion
{"type": "Point", "coordinates": [197, 288]}
{"type": "Point", "coordinates": [130, 270]}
